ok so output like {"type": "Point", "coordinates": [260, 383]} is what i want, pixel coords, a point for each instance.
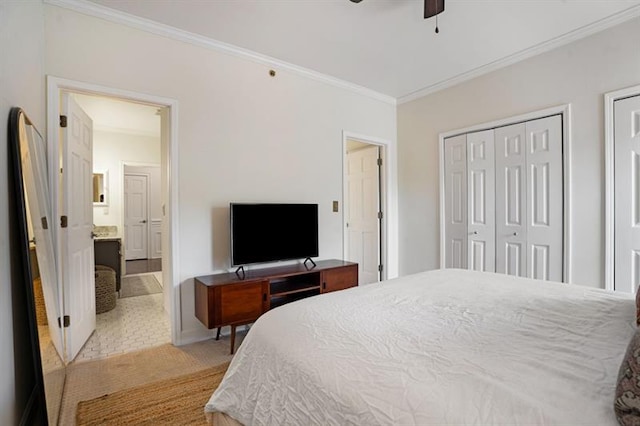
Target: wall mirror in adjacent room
{"type": "Point", "coordinates": [100, 188]}
{"type": "Point", "coordinates": [34, 237]}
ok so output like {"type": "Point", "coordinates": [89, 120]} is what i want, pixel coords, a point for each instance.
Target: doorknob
{"type": "Point", "coordinates": [143, 221]}
{"type": "Point", "coordinates": [515, 234]}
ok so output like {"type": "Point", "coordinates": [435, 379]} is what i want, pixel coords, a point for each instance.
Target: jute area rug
{"type": "Point", "coordinates": [177, 401]}
{"type": "Point", "coordinates": [139, 285]}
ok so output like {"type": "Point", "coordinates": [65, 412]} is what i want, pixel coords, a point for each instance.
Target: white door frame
{"type": "Point", "coordinates": [565, 112]}
{"type": "Point", "coordinates": [609, 191]}
{"type": "Point", "coordinates": [170, 223]}
{"type": "Point", "coordinates": [389, 256]}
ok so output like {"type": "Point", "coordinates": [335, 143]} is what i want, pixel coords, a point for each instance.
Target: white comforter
{"type": "Point", "coordinates": [440, 347]}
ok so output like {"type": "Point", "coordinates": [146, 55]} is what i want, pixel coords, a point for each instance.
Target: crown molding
{"type": "Point", "coordinates": [537, 49]}
{"type": "Point", "coordinates": [92, 9]}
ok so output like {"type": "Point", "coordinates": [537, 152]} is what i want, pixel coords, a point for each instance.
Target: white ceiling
{"type": "Point", "coordinates": [113, 115]}
{"type": "Point", "coordinates": [382, 45]}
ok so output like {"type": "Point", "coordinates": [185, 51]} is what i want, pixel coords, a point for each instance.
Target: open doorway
{"type": "Point", "coordinates": [126, 203]}
{"type": "Point", "coordinates": [132, 133]}
{"type": "Point", "coordinates": [364, 207]}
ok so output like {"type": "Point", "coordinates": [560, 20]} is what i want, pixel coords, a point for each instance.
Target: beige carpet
{"type": "Point", "coordinates": [139, 285]}
{"type": "Point", "coordinates": [91, 379]}
{"type": "Point", "coordinates": [177, 401]}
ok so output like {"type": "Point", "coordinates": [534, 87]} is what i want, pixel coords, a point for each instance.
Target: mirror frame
{"type": "Point", "coordinates": [35, 411]}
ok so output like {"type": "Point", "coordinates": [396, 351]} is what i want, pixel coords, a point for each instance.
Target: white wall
{"type": "Point", "coordinates": [21, 84]}
{"type": "Point", "coordinates": [243, 135]}
{"type": "Point", "coordinates": [578, 73]}
{"type": "Point", "coordinates": [110, 151]}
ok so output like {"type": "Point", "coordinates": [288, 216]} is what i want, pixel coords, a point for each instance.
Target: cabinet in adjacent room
{"type": "Point", "coordinates": [504, 199]}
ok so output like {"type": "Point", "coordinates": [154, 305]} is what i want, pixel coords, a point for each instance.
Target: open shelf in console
{"type": "Point", "coordinates": [295, 284]}
{"type": "Point", "coordinates": [283, 299]}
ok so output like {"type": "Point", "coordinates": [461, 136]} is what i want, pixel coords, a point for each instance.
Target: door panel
{"type": "Point", "coordinates": [339, 279]}
{"type": "Point", "coordinates": [363, 229]}
{"type": "Point", "coordinates": [481, 200]}
{"type": "Point", "coordinates": [77, 242]}
{"type": "Point", "coordinates": [627, 194]}
{"type": "Point", "coordinates": [242, 303]}
{"type": "Point", "coordinates": [455, 210]}
{"type": "Point", "coordinates": [540, 262]}
{"type": "Point", "coordinates": [136, 224]}
{"type": "Point", "coordinates": [511, 200]}
{"type": "Point", "coordinates": [545, 198]}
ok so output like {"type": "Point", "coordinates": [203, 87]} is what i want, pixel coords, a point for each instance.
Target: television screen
{"type": "Point", "coordinates": [270, 232]}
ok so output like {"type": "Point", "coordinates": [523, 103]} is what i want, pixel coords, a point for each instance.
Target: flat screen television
{"type": "Point", "coordinates": [273, 232]}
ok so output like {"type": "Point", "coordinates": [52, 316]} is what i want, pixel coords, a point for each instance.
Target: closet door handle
{"type": "Point", "coordinates": [515, 234]}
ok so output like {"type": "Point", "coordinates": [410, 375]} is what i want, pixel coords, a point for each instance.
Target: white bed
{"type": "Point", "coordinates": [440, 347]}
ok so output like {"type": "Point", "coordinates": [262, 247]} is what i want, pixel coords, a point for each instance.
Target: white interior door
{"type": "Point", "coordinates": [363, 226]}
{"type": "Point", "coordinates": [511, 200]}
{"type": "Point", "coordinates": [136, 216]}
{"type": "Point", "coordinates": [77, 241]}
{"type": "Point", "coordinates": [545, 198]}
{"type": "Point", "coordinates": [481, 246]}
{"type": "Point", "coordinates": [627, 194]}
{"type": "Point", "coordinates": [455, 211]}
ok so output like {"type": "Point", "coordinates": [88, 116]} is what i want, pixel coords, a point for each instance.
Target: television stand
{"type": "Point", "coordinates": [232, 299]}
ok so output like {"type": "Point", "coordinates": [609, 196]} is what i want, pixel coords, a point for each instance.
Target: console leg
{"type": "Point", "coordinates": [218, 333]}
{"type": "Point", "coordinates": [233, 339]}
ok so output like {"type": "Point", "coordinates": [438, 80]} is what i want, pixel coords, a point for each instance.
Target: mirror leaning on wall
{"type": "Point", "coordinates": [34, 237]}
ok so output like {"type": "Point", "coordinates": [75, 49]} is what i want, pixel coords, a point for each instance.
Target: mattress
{"type": "Point", "coordinates": [440, 347]}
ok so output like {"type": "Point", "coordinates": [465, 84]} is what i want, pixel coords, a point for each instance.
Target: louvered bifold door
{"type": "Point", "coordinates": [627, 194]}
{"type": "Point", "coordinates": [544, 198]}
{"type": "Point", "coordinates": [455, 210]}
{"type": "Point", "coordinates": [481, 201]}
{"type": "Point", "coordinates": [511, 200]}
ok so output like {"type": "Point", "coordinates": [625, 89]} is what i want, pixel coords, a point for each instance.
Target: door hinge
{"type": "Point", "coordinates": [63, 221]}
{"type": "Point", "coordinates": [380, 215]}
{"type": "Point", "coordinates": [379, 161]}
{"type": "Point", "coordinates": [63, 121]}
{"type": "Point", "coordinates": [66, 321]}
{"type": "Point", "coordinates": [45, 225]}
{"type": "Point", "coordinates": [379, 268]}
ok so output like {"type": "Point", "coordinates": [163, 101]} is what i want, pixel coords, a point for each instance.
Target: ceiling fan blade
{"type": "Point", "coordinates": [433, 7]}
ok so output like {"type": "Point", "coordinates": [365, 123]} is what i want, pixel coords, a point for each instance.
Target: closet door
{"type": "Point", "coordinates": [455, 210]}
{"type": "Point", "coordinates": [545, 198]}
{"type": "Point", "coordinates": [627, 194]}
{"type": "Point", "coordinates": [511, 200]}
{"type": "Point", "coordinates": [481, 201]}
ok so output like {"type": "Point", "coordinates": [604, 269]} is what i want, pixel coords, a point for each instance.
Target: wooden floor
{"type": "Point", "coordinates": [143, 266]}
